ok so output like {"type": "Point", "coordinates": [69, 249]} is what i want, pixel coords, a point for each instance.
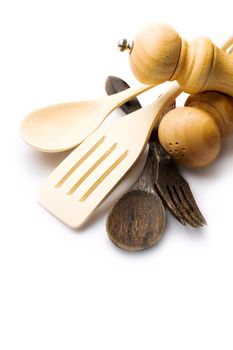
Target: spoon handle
{"type": "Point", "coordinates": [111, 102]}
{"type": "Point", "coordinates": [113, 85]}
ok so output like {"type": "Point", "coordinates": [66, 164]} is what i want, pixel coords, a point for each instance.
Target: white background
{"type": "Point", "coordinates": [65, 289]}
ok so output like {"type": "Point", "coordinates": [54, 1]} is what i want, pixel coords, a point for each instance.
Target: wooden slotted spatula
{"type": "Point", "coordinates": [81, 182]}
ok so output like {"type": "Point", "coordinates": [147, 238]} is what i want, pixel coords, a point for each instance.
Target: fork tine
{"type": "Point", "coordinates": [181, 207]}
{"type": "Point", "coordinates": [168, 175]}
{"type": "Point", "coordinates": [171, 206]}
{"type": "Point", "coordinates": [186, 206]}
{"type": "Point", "coordinates": [187, 194]}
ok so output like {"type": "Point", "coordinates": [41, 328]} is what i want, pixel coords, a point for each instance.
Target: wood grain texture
{"type": "Point", "coordinates": [191, 136]}
{"type": "Point", "coordinates": [159, 54]}
{"type": "Point", "coordinates": [63, 126]}
{"type": "Point", "coordinates": [91, 172]}
{"type": "Point", "coordinates": [137, 220]}
{"type": "Point", "coordinates": [218, 105]}
{"type": "Point", "coordinates": [155, 54]}
{"type": "Point", "coordinates": [113, 85]}
{"type": "Point", "coordinates": [174, 189]}
{"type": "Point", "coordinates": [194, 140]}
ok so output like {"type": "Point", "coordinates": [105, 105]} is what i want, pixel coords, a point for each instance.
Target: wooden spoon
{"type": "Point", "coordinates": [61, 127]}
{"type": "Point", "coordinates": [137, 221]}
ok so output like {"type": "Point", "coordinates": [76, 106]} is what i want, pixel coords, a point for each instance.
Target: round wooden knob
{"type": "Point", "coordinates": [191, 136]}
{"type": "Point", "coordinates": [158, 54]}
{"type": "Point", "coordinates": [150, 47]}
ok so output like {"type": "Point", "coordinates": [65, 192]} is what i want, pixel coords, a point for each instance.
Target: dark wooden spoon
{"type": "Point", "coordinates": [137, 221]}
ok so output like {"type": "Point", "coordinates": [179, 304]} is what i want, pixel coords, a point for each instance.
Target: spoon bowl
{"type": "Point", "coordinates": [62, 127]}
{"type": "Point", "coordinates": [137, 221]}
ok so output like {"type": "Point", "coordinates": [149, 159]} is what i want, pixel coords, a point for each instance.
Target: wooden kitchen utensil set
{"type": "Point", "coordinates": [138, 218]}
{"type": "Point", "coordinates": [191, 135]}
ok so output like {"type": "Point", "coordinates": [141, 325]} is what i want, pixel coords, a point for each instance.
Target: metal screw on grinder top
{"type": "Point", "coordinates": [125, 45]}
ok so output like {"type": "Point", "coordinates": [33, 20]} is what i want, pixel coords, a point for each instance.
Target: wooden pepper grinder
{"type": "Point", "coordinates": [159, 54]}
{"type": "Point", "coordinates": [192, 134]}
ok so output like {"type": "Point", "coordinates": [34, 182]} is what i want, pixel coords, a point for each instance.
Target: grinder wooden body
{"type": "Point", "coordinates": [159, 54]}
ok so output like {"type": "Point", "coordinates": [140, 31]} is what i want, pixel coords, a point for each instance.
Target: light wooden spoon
{"type": "Point", "coordinates": [61, 127]}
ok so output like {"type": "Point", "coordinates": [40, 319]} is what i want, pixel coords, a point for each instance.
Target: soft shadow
{"type": "Point", "coordinates": [47, 162]}
{"type": "Point", "coordinates": [190, 233]}
{"type": "Point", "coordinates": [215, 169]}
{"type": "Point", "coordinates": [139, 253]}
{"type": "Point", "coordinates": [44, 161]}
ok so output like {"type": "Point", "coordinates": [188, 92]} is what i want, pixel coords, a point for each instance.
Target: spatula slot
{"type": "Point", "coordinates": [103, 176]}
{"type": "Point", "coordinates": [94, 166]}
{"type": "Point", "coordinates": [81, 160]}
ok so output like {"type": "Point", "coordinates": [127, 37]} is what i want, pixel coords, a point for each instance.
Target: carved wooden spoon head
{"type": "Point", "coordinates": [137, 220]}
{"type": "Point", "coordinates": [61, 127]}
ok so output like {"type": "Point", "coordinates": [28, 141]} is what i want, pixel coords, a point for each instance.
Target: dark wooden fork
{"type": "Point", "coordinates": [169, 183]}
{"type": "Point", "coordinates": [173, 189]}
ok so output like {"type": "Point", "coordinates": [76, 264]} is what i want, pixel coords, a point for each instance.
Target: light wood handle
{"type": "Point", "coordinates": [159, 54]}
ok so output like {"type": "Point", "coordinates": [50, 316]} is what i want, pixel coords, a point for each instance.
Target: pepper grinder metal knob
{"type": "Point", "coordinates": [125, 45]}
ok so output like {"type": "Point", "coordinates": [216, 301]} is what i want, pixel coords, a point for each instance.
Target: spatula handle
{"type": "Point", "coordinates": [159, 54]}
